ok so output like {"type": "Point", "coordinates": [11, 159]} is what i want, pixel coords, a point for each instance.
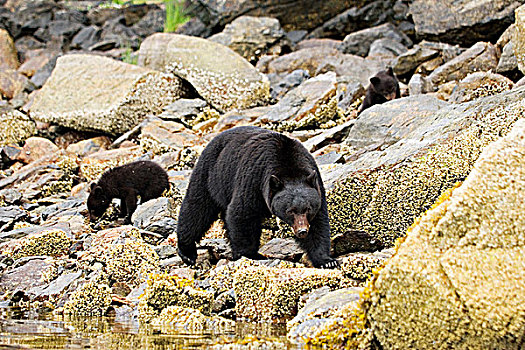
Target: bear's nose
{"type": "Point", "coordinates": [301, 233]}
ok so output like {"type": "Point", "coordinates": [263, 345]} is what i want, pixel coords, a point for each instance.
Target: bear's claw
{"type": "Point", "coordinates": [332, 264]}
{"type": "Point", "coordinates": [187, 260]}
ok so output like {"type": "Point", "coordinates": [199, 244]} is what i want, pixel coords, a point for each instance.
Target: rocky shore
{"type": "Point", "coordinates": [425, 193]}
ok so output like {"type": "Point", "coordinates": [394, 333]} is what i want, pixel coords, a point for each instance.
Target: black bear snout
{"type": "Point", "coordinates": [301, 233]}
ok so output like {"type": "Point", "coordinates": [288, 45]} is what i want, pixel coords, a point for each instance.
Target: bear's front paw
{"type": "Point", "coordinates": [332, 264]}
{"type": "Point", "coordinates": [188, 254]}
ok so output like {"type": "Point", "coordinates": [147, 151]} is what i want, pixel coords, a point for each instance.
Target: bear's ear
{"type": "Point", "coordinates": [92, 186]}
{"type": "Point", "coordinates": [390, 71]}
{"type": "Point", "coordinates": [312, 181]}
{"type": "Point", "coordinates": [375, 81]}
{"type": "Point", "coordinates": [97, 191]}
{"type": "Point", "coordinates": [272, 185]}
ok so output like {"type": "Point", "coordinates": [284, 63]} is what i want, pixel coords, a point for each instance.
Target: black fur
{"type": "Point", "coordinates": [383, 87]}
{"type": "Point", "coordinates": [143, 178]}
{"type": "Point", "coordinates": [246, 174]}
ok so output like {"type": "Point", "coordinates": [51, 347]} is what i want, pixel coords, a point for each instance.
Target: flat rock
{"type": "Point", "coordinates": [35, 148]}
{"type": "Point", "coordinates": [94, 93]}
{"type": "Point", "coordinates": [461, 264]}
{"type": "Point", "coordinates": [480, 57]}
{"type": "Point", "coordinates": [462, 22]}
{"type": "Point", "coordinates": [228, 83]}
{"type": "Point", "coordinates": [24, 276]}
{"type": "Point", "coordinates": [408, 61]}
{"type": "Point", "coordinates": [358, 43]}
{"type": "Point", "coordinates": [11, 83]}
{"type": "Point", "coordinates": [480, 84]}
{"type": "Point", "coordinates": [282, 248]}
{"type": "Point", "coordinates": [156, 215]}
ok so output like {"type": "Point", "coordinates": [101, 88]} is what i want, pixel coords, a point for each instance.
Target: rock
{"type": "Point", "coordinates": [329, 158]}
{"type": "Point", "coordinates": [224, 301]}
{"type": "Point", "coordinates": [89, 146]}
{"type": "Point", "coordinates": [508, 64]}
{"type": "Point", "coordinates": [360, 266]}
{"type": "Point", "coordinates": [264, 293]}
{"type": "Point", "coordinates": [358, 43]}
{"type": "Point", "coordinates": [35, 148]}
{"type": "Point", "coordinates": [12, 83]}
{"type": "Point", "coordinates": [15, 127]}
{"type": "Point", "coordinates": [161, 136]}
{"type": "Point", "coordinates": [55, 289]}
{"type": "Point", "coordinates": [10, 215]}
{"type": "Point", "coordinates": [418, 84]}
{"type": "Point", "coordinates": [219, 248]}
{"type": "Point", "coordinates": [460, 264]}
{"type": "Point", "coordinates": [225, 84]}
{"type": "Point", "coordinates": [295, 15]}
{"type": "Point", "coordinates": [156, 215]}
{"type": "Point", "coordinates": [311, 318]}
{"type": "Point", "coordinates": [480, 84]}
{"type": "Point", "coordinates": [480, 57]}
{"type": "Point", "coordinates": [310, 104]}
{"type": "Point", "coordinates": [333, 135]}
{"type": "Point", "coordinates": [409, 151]}
{"type": "Point", "coordinates": [51, 242]}
{"type": "Point", "coordinates": [320, 60]}
{"type": "Point", "coordinates": [24, 275]}
{"type": "Point", "coordinates": [165, 251]}
{"type": "Point", "coordinates": [41, 75]}
{"type": "Point", "coordinates": [357, 16]}
{"type": "Point", "coordinates": [10, 196]}
{"type": "Point", "coordinates": [184, 110]}
{"type": "Point", "coordinates": [35, 63]}
{"type": "Point", "coordinates": [91, 93]}
{"type": "Point", "coordinates": [8, 54]}
{"type": "Point", "coordinates": [408, 62]}
{"type": "Point", "coordinates": [463, 23]}
{"type": "Point", "coordinates": [386, 48]}
{"type": "Point", "coordinates": [354, 241]}
{"type": "Point", "coordinates": [86, 37]}
{"type": "Point", "coordinates": [282, 248]}
{"type": "Point", "coordinates": [329, 44]}
{"type": "Point", "coordinates": [518, 39]}
{"type": "Point", "coordinates": [116, 34]}
{"type": "Point", "coordinates": [252, 37]}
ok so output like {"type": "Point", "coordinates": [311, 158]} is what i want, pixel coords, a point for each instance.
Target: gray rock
{"type": "Point", "coordinates": [330, 158]}
{"type": "Point", "coordinates": [354, 241]}
{"type": "Point", "coordinates": [358, 43]}
{"type": "Point", "coordinates": [282, 248]}
{"type": "Point", "coordinates": [228, 83]}
{"type": "Point", "coordinates": [86, 37]}
{"type": "Point", "coordinates": [252, 37]}
{"type": "Point", "coordinates": [408, 62]}
{"type": "Point", "coordinates": [219, 248]}
{"type": "Point", "coordinates": [386, 47]}
{"type": "Point", "coordinates": [480, 84]}
{"type": "Point", "coordinates": [10, 195]}
{"type": "Point", "coordinates": [418, 84]}
{"type": "Point", "coordinates": [480, 57]}
{"type": "Point", "coordinates": [280, 84]}
{"type": "Point", "coordinates": [463, 22]}
{"type": "Point", "coordinates": [24, 276]}
{"type": "Point", "coordinates": [508, 64]}
{"type": "Point", "coordinates": [88, 92]}
{"type": "Point", "coordinates": [224, 301]}
{"type": "Point", "coordinates": [54, 289]}
{"type": "Point", "coordinates": [183, 110]}
{"type": "Point", "coordinates": [333, 135]}
{"type": "Point", "coordinates": [9, 215]}
{"type": "Point", "coordinates": [156, 215]}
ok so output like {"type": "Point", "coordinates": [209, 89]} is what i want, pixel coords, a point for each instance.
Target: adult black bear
{"type": "Point", "coordinates": [383, 87]}
{"type": "Point", "coordinates": [247, 174]}
{"type": "Point", "coordinates": [142, 178]}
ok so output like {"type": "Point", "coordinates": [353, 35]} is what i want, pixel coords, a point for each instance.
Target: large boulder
{"type": "Point", "coordinates": [220, 75]}
{"type": "Point", "coordinates": [8, 54]}
{"type": "Point", "coordinates": [462, 22]}
{"type": "Point", "coordinates": [408, 151]}
{"type": "Point", "coordinates": [94, 93]}
{"type": "Point", "coordinates": [458, 278]}
{"type": "Point", "coordinates": [518, 39]}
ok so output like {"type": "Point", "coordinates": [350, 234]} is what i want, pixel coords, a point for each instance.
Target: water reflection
{"type": "Point", "coordinates": [26, 330]}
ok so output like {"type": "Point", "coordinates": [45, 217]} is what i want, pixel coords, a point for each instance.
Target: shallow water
{"type": "Point", "coordinates": [24, 330]}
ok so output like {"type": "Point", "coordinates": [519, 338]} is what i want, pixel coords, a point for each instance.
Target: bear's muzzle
{"type": "Point", "coordinates": [300, 226]}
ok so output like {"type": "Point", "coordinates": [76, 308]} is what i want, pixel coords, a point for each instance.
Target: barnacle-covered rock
{"type": "Point", "coordinates": [250, 342]}
{"type": "Point", "coordinates": [265, 293]}
{"type": "Point", "coordinates": [166, 290]}
{"type": "Point", "coordinates": [221, 76]}
{"type": "Point", "coordinates": [95, 93]}
{"type": "Point", "coordinates": [191, 320]}
{"type": "Point", "coordinates": [51, 242]}
{"type": "Point", "coordinates": [411, 150]}
{"type": "Point", "coordinates": [15, 127]}
{"type": "Point", "coordinates": [458, 277]}
{"type": "Point", "coordinates": [91, 299]}
{"type": "Point", "coordinates": [480, 84]}
{"type": "Point", "coordinates": [360, 266]}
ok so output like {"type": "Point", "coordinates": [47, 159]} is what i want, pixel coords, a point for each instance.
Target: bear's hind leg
{"type": "Point", "coordinates": [244, 234]}
{"type": "Point", "coordinates": [198, 211]}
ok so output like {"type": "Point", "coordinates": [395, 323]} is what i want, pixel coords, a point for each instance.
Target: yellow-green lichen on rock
{"type": "Point", "coordinates": [52, 242]}
{"type": "Point", "coordinates": [383, 191]}
{"type": "Point", "coordinates": [166, 290]}
{"type": "Point", "coordinates": [220, 75]}
{"type": "Point", "coordinates": [269, 293]}
{"type": "Point", "coordinates": [458, 278]}
{"type": "Point", "coordinates": [15, 127]}
{"type": "Point", "coordinates": [95, 93]}
{"type": "Point", "coordinates": [91, 299]}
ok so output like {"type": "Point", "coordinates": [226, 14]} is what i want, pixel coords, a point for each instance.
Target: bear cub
{"type": "Point", "coordinates": [249, 173]}
{"type": "Point", "coordinates": [383, 87]}
{"type": "Point", "coordinates": [142, 178]}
